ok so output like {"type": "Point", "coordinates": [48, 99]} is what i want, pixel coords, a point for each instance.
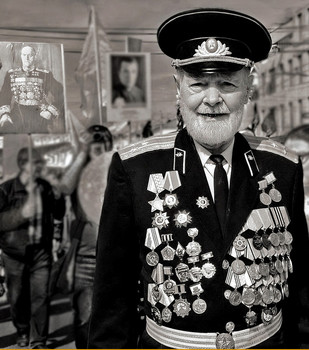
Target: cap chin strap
{"type": "Point", "coordinates": [242, 61]}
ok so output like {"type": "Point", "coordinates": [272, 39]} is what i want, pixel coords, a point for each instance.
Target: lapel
{"type": "Point", "coordinates": [195, 185]}
{"type": "Point", "coordinates": [243, 190]}
{"type": "Point", "coordinates": [242, 198]}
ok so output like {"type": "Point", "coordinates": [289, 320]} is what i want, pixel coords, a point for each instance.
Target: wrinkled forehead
{"type": "Point", "coordinates": [211, 75]}
{"type": "Point", "coordinates": [28, 50]}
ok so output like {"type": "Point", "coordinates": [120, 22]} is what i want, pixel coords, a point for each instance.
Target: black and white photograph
{"type": "Point", "coordinates": [32, 99]}
{"type": "Point", "coordinates": [154, 174]}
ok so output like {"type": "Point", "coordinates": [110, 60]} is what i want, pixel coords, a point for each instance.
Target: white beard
{"type": "Point", "coordinates": [209, 131]}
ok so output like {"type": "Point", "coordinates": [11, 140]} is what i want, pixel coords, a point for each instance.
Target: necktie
{"type": "Point", "coordinates": [221, 189]}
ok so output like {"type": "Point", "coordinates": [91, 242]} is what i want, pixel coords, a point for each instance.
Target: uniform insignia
{"type": "Point", "coordinates": [202, 202]}
{"type": "Point", "coordinates": [212, 47]}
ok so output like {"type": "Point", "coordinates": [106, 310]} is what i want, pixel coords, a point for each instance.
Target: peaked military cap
{"type": "Point", "coordinates": [216, 39]}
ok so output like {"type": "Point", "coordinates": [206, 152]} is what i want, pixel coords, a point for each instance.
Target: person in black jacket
{"type": "Point", "coordinates": [210, 222]}
{"type": "Point", "coordinates": [28, 208]}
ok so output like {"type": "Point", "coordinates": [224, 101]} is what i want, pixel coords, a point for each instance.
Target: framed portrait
{"type": "Point", "coordinates": [32, 88]}
{"type": "Point", "coordinates": [128, 90]}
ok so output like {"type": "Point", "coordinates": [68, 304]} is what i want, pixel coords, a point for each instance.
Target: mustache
{"type": "Point", "coordinates": [218, 109]}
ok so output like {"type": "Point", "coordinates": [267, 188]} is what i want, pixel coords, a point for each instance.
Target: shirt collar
{"type": "Point", "coordinates": [204, 154]}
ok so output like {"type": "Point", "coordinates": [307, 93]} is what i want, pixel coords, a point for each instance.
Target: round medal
{"type": "Point", "coordinates": [192, 232]}
{"type": "Point", "coordinates": [195, 274]}
{"type": "Point", "coordinates": [227, 294]}
{"type": "Point", "coordinates": [181, 307]}
{"type": "Point", "coordinates": [230, 326]}
{"type": "Point", "coordinates": [253, 271]}
{"type": "Point", "coordinates": [248, 297]}
{"type": "Point", "coordinates": [238, 267]}
{"type": "Point", "coordinates": [266, 316]}
{"type": "Point", "coordinates": [268, 296]}
{"type": "Point", "coordinates": [274, 239]}
{"type": "Point", "coordinates": [281, 238]}
{"type": "Point", "coordinates": [264, 269]}
{"type": "Point", "coordinates": [235, 298]}
{"type": "Point", "coordinates": [240, 243]}
{"type": "Point", "coordinates": [257, 242]}
{"type": "Point", "coordinates": [272, 268]}
{"type": "Point", "coordinates": [208, 270]}
{"type": "Point", "coordinates": [265, 198]}
{"type": "Point", "coordinates": [193, 248]}
{"type": "Point", "coordinates": [265, 240]}
{"type": "Point", "coordinates": [169, 287]}
{"type": "Point", "coordinates": [286, 290]}
{"type": "Point", "coordinates": [277, 295]}
{"type": "Point", "coordinates": [225, 264]}
{"type": "Point", "coordinates": [182, 218]}
{"type": "Point", "coordinates": [225, 341]}
{"type": "Point", "coordinates": [166, 315]}
{"type": "Point", "coordinates": [156, 315]}
{"type": "Point", "coordinates": [152, 258]}
{"type": "Point", "coordinates": [258, 298]}
{"type": "Point", "coordinates": [199, 306]}
{"type": "Point", "coordinates": [275, 195]}
{"type": "Point", "coordinates": [288, 237]}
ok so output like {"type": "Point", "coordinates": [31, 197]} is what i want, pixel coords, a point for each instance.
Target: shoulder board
{"type": "Point", "coordinates": [152, 144]}
{"type": "Point", "coordinates": [14, 70]}
{"type": "Point", "coordinates": [42, 70]}
{"type": "Point", "coordinates": [268, 145]}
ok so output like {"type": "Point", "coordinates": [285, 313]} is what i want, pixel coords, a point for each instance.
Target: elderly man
{"type": "Point", "coordinates": [204, 218]}
{"type": "Point", "coordinates": [31, 99]}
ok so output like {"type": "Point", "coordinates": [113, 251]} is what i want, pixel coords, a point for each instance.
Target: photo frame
{"type": "Point", "coordinates": [32, 88]}
{"type": "Point", "coordinates": [128, 86]}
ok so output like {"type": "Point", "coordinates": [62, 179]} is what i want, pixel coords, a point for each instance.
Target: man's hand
{"type": "Point", "coordinates": [5, 118]}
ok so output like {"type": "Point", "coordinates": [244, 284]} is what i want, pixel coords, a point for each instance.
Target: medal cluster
{"type": "Point", "coordinates": [183, 268]}
{"type": "Point", "coordinates": [258, 263]}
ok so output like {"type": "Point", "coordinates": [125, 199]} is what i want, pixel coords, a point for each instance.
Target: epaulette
{"type": "Point", "coordinates": [152, 144]}
{"type": "Point", "coordinates": [269, 145]}
{"type": "Point", "coordinates": [42, 70]}
{"type": "Point", "coordinates": [14, 70]}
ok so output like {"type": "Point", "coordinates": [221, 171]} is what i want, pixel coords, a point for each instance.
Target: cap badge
{"type": "Point", "coordinates": [212, 47]}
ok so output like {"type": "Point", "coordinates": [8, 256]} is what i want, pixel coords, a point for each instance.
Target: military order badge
{"type": "Point", "coordinates": [32, 94]}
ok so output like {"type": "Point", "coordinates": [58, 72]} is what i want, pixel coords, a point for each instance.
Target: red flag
{"type": "Point", "coordinates": [90, 73]}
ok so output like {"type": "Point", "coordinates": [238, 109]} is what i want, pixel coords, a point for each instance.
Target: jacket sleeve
{"type": "Point", "coordinates": [114, 319]}
{"type": "Point", "coordinates": [297, 302]}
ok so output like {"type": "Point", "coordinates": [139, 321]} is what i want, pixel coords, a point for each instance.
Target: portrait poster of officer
{"type": "Point", "coordinates": [32, 98]}
{"type": "Point", "coordinates": [128, 78]}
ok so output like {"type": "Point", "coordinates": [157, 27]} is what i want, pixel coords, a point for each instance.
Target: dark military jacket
{"type": "Point", "coordinates": [128, 215]}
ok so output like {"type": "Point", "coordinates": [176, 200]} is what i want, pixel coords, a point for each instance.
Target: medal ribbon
{"type": "Point", "coordinates": [168, 237]}
{"type": "Point", "coordinates": [171, 180]}
{"type": "Point", "coordinates": [152, 240]}
{"type": "Point", "coordinates": [155, 183]}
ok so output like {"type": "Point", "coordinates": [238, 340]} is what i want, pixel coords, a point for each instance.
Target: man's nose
{"type": "Point", "coordinates": [212, 96]}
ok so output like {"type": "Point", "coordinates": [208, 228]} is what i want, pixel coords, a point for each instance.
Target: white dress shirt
{"type": "Point", "coordinates": [209, 165]}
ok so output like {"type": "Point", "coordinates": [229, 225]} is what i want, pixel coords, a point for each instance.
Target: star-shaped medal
{"type": "Point", "coordinates": [171, 200]}
{"type": "Point", "coordinates": [182, 218]}
{"type": "Point", "coordinates": [156, 204]}
{"type": "Point", "coordinates": [160, 220]}
{"type": "Point", "coordinates": [202, 202]}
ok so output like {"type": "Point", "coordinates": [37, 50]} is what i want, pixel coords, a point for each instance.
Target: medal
{"type": "Point", "coordinates": [265, 240]}
{"type": "Point", "coordinates": [156, 293]}
{"type": "Point", "coordinates": [235, 298]}
{"type": "Point", "coordinates": [169, 285]}
{"type": "Point", "coordinates": [193, 248]}
{"type": "Point", "coordinates": [264, 197]}
{"type": "Point", "coordinates": [156, 204]}
{"type": "Point", "coordinates": [240, 243]}
{"type": "Point", "coordinates": [208, 268]}
{"type": "Point", "coordinates": [166, 315]}
{"type": "Point", "coordinates": [264, 269]}
{"type": "Point", "coordinates": [225, 340]}
{"type": "Point", "coordinates": [274, 239]}
{"type": "Point", "coordinates": [248, 297]}
{"type": "Point", "coordinates": [171, 200]}
{"type": "Point", "coordinates": [152, 258]}
{"type": "Point", "coordinates": [168, 253]}
{"type": "Point", "coordinates": [288, 237]}
{"type": "Point", "coordinates": [181, 305]}
{"type": "Point", "coordinates": [152, 241]}
{"type": "Point", "coordinates": [180, 251]}
{"type": "Point", "coordinates": [199, 306]}
{"type": "Point", "coordinates": [171, 180]}
{"type": "Point", "coordinates": [267, 296]}
{"type": "Point", "coordinates": [266, 316]}
{"type": "Point", "coordinates": [251, 318]}
{"type": "Point", "coordinates": [227, 294]}
{"type": "Point", "coordinates": [277, 295]}
{"type": "Point", "coordinates": [257, 241]}
{"type": "Point", "coordinates": [238, 267]}
{"type": "Point", "coordinates": [182, 219]}
{"type": "Point", "coordinates": [290, 264]}
{"type": "Point", "coordinates": [182, 272]}
{"type": "Point", "coordinates": [160, 220]}
{"type": "Point", "coordinates": [274, 194]}
{"type": "Point", "coordinates": [195, 274]}
{"type": "Point", "coordinates": [258, 298]}
{"type": "Point", "coordinates": [155, 185]}
{"type": "Point", "coordinates": [156, 315]}
{"type": "Point", "coordinates": [254, 272]}
{"type": "Point", "coordinates": [225, 264]}
{"type": "Point", "coordinates": [202, 202]}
